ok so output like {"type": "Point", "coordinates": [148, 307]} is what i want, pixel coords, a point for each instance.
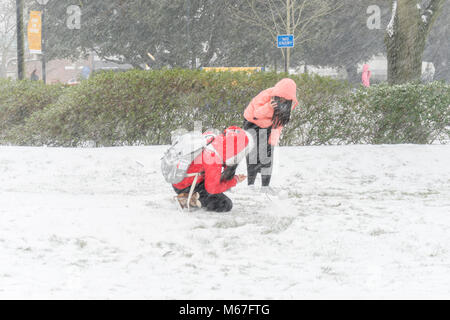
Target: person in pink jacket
{"type": "Point", "coordinates": [265, 117]}
{"type": "Point", "coordinates": [366, 74]}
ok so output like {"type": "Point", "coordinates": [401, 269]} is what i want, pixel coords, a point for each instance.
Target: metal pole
{"type": "Point", "coordinates": [44, 66]}
{"type": "Point", "coordinates": [188, 31]}
{"type": "Point", "coordinates": [288, 31]}
{"type": "Point", "coordinates": [285, 60]}
{"type": "Point", "coordinates": [20, 41]}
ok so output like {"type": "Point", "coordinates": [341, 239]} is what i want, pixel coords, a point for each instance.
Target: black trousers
{"type": "Point", "coordinates": [212, 202]}
{"type": "Point", "coordinates": [260, 159]}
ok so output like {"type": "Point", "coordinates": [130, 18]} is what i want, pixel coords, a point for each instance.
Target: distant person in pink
{"type": "Point", "coordinates": [366, 73]}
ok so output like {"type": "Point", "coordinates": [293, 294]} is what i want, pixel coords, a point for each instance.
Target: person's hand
{"type": "Point", "coordinates": [282, 113]}
{"type": "Point", "coordinates": [240, 178]}
{"type": "Point", "coordinates": [274, 103]}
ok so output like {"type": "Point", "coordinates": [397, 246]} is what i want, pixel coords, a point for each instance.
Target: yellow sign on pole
{"type": "Point", "coordinates": [35, 32]}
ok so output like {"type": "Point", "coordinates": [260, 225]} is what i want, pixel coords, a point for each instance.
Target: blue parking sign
{"type": "Point", "coordinates": [285, 41]}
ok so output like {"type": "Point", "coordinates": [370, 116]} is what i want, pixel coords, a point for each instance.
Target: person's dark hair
{"type": "Point", "coordinates": [228, 173]}
{"type": "Point", "coordinates": [282, 112]}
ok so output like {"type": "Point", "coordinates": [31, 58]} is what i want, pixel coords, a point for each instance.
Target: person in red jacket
{"type": "Point", "coordinates": [216, 167]}
{"type": "Point", "coordinates": [265, 117]}
{"type": "Point", "coordinates": [366, 74]}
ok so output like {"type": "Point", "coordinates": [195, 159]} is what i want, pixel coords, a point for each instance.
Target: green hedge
{"type": "Point", "coordinates": [144, 107]}
{"type": "Point", "coordinates": [410, 113]}
{"type": "Point", "coordinates": [20, 99]}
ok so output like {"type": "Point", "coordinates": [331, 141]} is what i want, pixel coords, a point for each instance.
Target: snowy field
{"type": "Point", "coordinates": [359, 222]}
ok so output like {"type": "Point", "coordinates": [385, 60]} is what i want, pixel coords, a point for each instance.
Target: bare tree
{"type": "Point", "coordinates": [277, 17]}
{"type": "Point", "coordinates": [406, 37]}
{"type": "Point", "coordinates": [7, 33]}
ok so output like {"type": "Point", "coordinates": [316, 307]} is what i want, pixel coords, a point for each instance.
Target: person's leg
{"type": "Point", "coordinates": [252, 158]}
{"type": "Point", "coordinates": [266, 173]}
{"type": "Point", "coordinates": [211, 202]}
{"type": "Point", "coordinates": [214, 202]}
{"type": "Point", "coordinates": [267, 163]}
{"type": "Point", "coordinates": [252, 171]}
{"type": "Point", "coordinates": [217, 203]}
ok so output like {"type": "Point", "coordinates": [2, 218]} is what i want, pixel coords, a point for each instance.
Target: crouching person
{"type": "Point", "coordinates": [213, 171]}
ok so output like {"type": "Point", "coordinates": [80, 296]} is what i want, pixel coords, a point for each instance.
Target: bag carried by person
{"type": "Point", "coordinates": [178, 158]}
{"type": "Point", "coordinates": [180, 155]}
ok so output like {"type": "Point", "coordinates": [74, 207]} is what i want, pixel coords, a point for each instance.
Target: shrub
{"type": "Point", "coordinates": [409, 113]}
{"type": "Point", "coordinates": [314, 122]}
{"type": "Point", "coordinates": [144, 107]}
{"type": "Point", "coordinates": [20, 99]}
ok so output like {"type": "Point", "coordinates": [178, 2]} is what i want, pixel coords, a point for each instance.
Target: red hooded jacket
{"type": "Point", "coordinates": [260, 110]}
{"type": "Point", "coordinates": [226, 149]}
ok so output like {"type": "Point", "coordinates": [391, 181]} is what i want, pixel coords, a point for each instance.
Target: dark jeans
{"type": "Point", "coordinates": [260, 158]}
{"type": "Point", "coordinates": [212, 202]}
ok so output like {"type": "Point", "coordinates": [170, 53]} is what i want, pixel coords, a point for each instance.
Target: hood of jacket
{"type": "Point", "coordinates": [233, 145]}
{"type": "Point", "coordinates": [286, 88]}
{"type": "Point", "coordinates": [365, 68]}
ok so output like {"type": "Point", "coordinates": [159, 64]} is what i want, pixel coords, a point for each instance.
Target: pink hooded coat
{"type": "Point", "coordinates": [260, 110]}
{"type": "Point", "coordinates": [366, 74]}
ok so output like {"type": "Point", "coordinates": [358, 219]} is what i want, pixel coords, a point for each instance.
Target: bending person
{"type": "Point", "coordinates": [265, 117]}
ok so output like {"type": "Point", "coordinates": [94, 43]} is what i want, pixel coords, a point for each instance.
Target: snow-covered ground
{"type": "Point", "coordinates": [360, 222]}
